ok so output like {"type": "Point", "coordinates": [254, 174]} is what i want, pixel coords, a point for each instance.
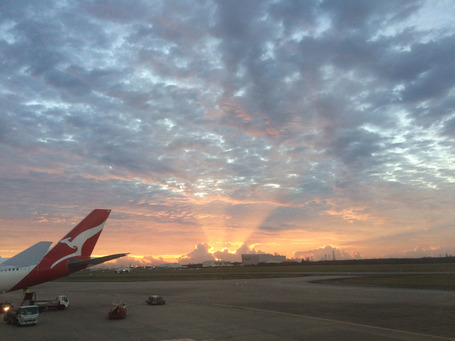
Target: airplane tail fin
{"type": "Point", "coordinates": [70, 254]}
{"type": "Point", "coordinates": [79, 242]}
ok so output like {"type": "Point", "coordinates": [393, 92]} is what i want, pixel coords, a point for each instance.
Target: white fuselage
{"type": "Point", "coordinates": [11, 275]}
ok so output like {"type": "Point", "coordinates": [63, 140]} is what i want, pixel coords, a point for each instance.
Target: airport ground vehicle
{"type": "Point", "coordinates": [155, 300]}
{"type": "Point", "coordinates": [61, 302]}
{"type": "Point", "coordinates": [22, 316]}
{"type": "Point", "coordinates": [117, 311]}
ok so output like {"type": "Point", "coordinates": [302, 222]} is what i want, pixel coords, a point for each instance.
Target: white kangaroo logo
{"type": "Point", "coordinates": [78, 242]}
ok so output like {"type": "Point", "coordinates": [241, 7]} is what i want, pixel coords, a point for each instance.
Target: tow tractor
{"type": "Point", "coordinates": [22, 316]}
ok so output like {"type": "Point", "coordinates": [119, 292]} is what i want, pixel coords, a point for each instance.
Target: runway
{"type": "Point", "coordinates": [260, 309]}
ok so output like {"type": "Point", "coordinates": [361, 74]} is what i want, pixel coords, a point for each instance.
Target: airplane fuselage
{"type": "Point", "coordinates": [11, 275]}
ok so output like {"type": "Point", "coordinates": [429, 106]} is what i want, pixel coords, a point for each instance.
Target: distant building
{"type": "Point", "coordinates": [211, 263]}
{"type": "Point", "coordinates": [171, 265]}
{"type": "Point", "coordinates": [254, 259]}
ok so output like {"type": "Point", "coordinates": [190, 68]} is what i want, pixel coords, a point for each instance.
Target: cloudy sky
{"type": "Point", "coordinates": [215, 128]}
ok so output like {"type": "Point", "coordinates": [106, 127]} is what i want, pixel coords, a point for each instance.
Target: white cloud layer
{"type": "Point", "coordinates": [331, 120]}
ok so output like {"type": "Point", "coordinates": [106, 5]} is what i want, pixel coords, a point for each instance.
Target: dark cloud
{"type": "Point", "coordinates": [355, 15]}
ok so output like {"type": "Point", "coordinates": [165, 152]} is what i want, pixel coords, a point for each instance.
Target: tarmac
{"type": "Point", "coordinates": [258, 309]}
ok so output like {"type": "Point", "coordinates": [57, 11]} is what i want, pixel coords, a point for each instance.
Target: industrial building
{"type": "Point", "coordinates": [213, 263]}
{"type": "Point", "coordinates": [254, 259]}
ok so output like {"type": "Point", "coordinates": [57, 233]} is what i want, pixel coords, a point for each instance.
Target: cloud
{"type": "Point", "coordinates": [420, 252]}
{"type": "Point", "coordinates": [326, 253]}
{"type": "Point", "coordinates": [298, 112]}
{"type": "Point", "coordinates": [204, 252]}
{"type": "Point", "coordinates": [198, 255]}
{"type": "Point", "coordinates": [135, 261]}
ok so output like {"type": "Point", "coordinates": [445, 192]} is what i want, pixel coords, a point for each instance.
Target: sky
{"type": "Point", "coordinates": [216, 128]}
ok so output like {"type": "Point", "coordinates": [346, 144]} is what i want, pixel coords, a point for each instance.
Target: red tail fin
{"type": "Point", "coordinates": [75, 248]}
{"type": "Point", "coordinates": [79, 242]}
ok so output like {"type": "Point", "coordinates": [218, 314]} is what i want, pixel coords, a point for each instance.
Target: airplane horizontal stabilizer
{"type": "Point", "coordinates": [75, 264]}
{"type": "Point", "coordinates": [31, 256]}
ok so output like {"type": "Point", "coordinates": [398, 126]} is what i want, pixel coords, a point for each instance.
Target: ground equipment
{"type": "Point", "coordinates": [22, 316]}
{"type": "Point", "coordinates": [61, 302]}
{"type": "Point", "coordinates": [155, 300]}
{"type": "Point", "coordinates": [117, 311]}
